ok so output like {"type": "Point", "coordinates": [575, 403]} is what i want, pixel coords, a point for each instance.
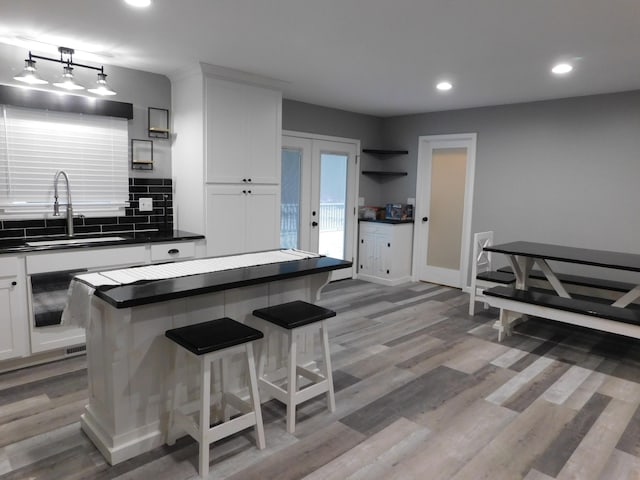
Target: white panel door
{"type": "Point", "coordinates": [444, 194]}
{"type": "Point", "coordinates": [226, 211]}
{"type": "Point", "coordinates": [262, 228]}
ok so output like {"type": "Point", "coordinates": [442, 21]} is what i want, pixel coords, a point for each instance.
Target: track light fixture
{"type": "Point", "coordinates": [29, 74]}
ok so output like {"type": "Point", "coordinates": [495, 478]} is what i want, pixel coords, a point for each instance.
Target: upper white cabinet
{"type": "Point", "coordinates": [242, 132]}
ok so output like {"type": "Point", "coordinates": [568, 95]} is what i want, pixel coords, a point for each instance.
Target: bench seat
{"type": "Point", "coordinates": [598, 283]}
{"type": "Point", "coordinates": [494, 276]}
{"type": "Point", "coordinates": [584, 311]}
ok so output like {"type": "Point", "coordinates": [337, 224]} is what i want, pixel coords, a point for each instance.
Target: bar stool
{"type": "Point", "coordinates": [293, 319]}
{"type": "Point", "coordinates": [210, 341]}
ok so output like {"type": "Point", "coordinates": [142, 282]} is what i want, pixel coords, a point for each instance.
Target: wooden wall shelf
{"type": "Point", "coordinates": [384, 173]}
{"type": "Point", "coordinates": [376, 151]}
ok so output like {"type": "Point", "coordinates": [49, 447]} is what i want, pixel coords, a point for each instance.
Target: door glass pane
{"type": "Point", "coordinates": [333, 199]}
{"type": "Point", "coordinates": [290, 198]}
{"type": "Point", "coordinates": [448, 172]}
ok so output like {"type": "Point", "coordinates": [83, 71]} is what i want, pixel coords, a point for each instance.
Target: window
{"type": "Point", "coordinates": [35, 144]}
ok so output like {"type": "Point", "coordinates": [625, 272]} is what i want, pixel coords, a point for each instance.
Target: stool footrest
{"type": "Point", "coordinates": [238, 403]}
{"type": "Point", "coordinates": [273, 390]}
{"type": "Point", "coordinates": [307, 393]}
{"type": "Point", "coordinates": [315, 377]}
{"type": "Point", "coordinates": [217, 432]}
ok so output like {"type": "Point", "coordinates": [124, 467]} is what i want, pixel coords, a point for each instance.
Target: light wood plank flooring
{"type": "Point", "coordinates": [423, 391]}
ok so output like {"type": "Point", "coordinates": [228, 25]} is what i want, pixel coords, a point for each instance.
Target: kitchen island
{"type": "Point", "coordinates": [130, 362]}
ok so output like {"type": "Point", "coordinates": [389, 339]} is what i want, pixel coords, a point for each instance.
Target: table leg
{"type": "Point", "coordinates": [552, 278]}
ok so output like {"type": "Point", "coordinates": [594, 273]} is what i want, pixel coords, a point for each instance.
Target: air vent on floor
{"type": "Point", "coordinates": [72, 350]}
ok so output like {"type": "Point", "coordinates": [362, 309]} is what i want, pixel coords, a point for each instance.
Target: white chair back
{"type": "Point", "coordinates": [481, 263]}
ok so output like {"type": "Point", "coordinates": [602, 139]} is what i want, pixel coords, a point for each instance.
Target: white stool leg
{"type": "Point", "coordinates": [224, 372]}
{"type": "Point", "coordinates": [292, 382]}
{"type": "Point", "coordinates": [263, 347]}
{"type": "Point", "coordinates": [328, 374]}
{"type": "Point", "coordinates": [255, 396]}
{"type": "Point", "coordinates": [171, 429]}
{"type": "Point", "coordinates": [205, 405]}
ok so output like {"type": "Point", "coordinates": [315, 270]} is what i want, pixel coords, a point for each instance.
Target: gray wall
{"type": "Point", "coordinates": [563, 171]}
{"type": "Point", "coordinates": [308, 118]}
{"type": "Point", "coordinates": [142, 89]}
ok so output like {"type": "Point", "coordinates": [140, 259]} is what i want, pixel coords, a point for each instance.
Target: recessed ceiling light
{"type": "Point", "coordinates": [562, 68]}
{"type": "Point", "coordinates": [444, 86]}
{"type": "Point", "coordinates": [139, 3]}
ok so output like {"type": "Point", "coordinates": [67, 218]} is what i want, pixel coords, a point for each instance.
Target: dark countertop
{"type": "Point", "coordinates": [385, 220]}
{"type": "Point", "coordinates": [153, 291]}
{"type": "Point", "coordinates": [19, 245]}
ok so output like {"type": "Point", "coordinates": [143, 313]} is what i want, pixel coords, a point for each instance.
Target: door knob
{"type": "Point", "coordinates": [314, 224]}
{"type": "Point", "coordinates": [425, 219]}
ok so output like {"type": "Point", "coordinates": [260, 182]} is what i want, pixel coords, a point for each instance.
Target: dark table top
{"type": "Point", "coordinates": [561, 253]}
{"type": "Point", "coordinates": [153, 291]}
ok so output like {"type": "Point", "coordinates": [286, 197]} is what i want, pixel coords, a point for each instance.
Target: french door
{"type": "Point", "coordinates": [319, 192]}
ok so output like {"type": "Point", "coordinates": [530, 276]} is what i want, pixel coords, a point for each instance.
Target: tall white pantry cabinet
{"type": "Point", "coordinates": [226, 158]}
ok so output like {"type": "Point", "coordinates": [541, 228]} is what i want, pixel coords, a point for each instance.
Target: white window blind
{"type": "Point", "coordinates": [35, 144]}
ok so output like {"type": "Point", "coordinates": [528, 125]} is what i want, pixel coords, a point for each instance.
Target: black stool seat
{"type": "Point", "coordinates": [207, 337]}
{"type": "Point", "coordinates": [294, 314]}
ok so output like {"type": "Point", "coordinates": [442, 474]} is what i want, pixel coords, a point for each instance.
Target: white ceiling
{"type": "Point", "coordinates": [381, 57]}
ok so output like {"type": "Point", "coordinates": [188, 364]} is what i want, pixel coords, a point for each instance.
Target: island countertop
{"type": "Point", "coordinates": [152, 291]}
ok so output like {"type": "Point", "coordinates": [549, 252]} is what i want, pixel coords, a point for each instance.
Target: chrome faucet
{"type": "Point", "coordinates": [56, 206]}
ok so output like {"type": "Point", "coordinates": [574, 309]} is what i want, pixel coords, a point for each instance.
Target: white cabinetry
{"type": "Point", "coordinates": [384, 253]}
{"type": "Point", "coordinates": [14, 333]}
{"type": "Point", "coordinates": [242, 218]}
{"type": "Point", "coordinates": [242, 133]}
{"type": "Point", "coordinates": [243, 137]}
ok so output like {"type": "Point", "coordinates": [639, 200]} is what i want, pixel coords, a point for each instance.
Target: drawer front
{"type": "Point", "coordinates": [172, 251]}
{"type": "Point", "coordinates": [8, 267]}
{"type": "Point", "coordinates": [90, 258]}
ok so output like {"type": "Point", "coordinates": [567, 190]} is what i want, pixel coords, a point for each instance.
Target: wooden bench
{"type": "Point", "coordinates": [594, 287]}
{"type": "Point", "coordinates": [584, 311]}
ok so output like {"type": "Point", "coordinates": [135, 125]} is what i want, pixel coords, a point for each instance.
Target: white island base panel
{"type": "Point", "coordinates": [130, 362]}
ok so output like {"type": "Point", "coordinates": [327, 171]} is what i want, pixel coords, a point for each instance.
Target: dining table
{"type": "Point", "coordinates": [524, 255]}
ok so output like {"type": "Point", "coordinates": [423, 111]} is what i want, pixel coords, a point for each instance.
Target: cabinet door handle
{"type": "Point", "coordinates": [388, 245]}
{"type": "Point", "coordinates": [314, 224]}
{"type": "Point", "coordinates": [361, 240]}
{"type": "Point", "coordinates": [244, 191]}
{"type": "Point", "coordinates": [173, 251]}
{"type": "Point", "coordinates": [244, 180]}
{"type": "Point", "coordinates": [14, 283]}
{"type": "Point", "coordinates": [425, 219]}
{"type": "Point", "coordinates": [248, 191]}
{"type": "Point", "coordinates": [248, 179]}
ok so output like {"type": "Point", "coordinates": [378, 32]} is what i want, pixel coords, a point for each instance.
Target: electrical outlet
{"type": "Point", "coordinates": [145, 204]}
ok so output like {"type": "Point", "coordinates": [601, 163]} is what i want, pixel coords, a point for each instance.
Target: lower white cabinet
{"type": "Point", "coordinates": [14, 332]}
{"type": "Point", "coordinates": [384, 252]}
{"type": "Point", "coordinates": [242, 218]}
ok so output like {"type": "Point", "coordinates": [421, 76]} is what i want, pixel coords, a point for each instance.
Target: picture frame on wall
{"type": "Point", "coordinates": [141, 154]}
{"type": "Point", "coordinates": [158, 121]}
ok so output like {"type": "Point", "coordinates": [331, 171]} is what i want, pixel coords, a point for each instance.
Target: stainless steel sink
{"type": "Point", "coordinates": [74, 241]}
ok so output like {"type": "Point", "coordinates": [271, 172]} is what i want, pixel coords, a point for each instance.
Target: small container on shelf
{"type": "Point", "coordinates": [399, 211]}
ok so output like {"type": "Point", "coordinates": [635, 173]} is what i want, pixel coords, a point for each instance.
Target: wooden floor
{"type": "Point", "coordinates": [423, 392]}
